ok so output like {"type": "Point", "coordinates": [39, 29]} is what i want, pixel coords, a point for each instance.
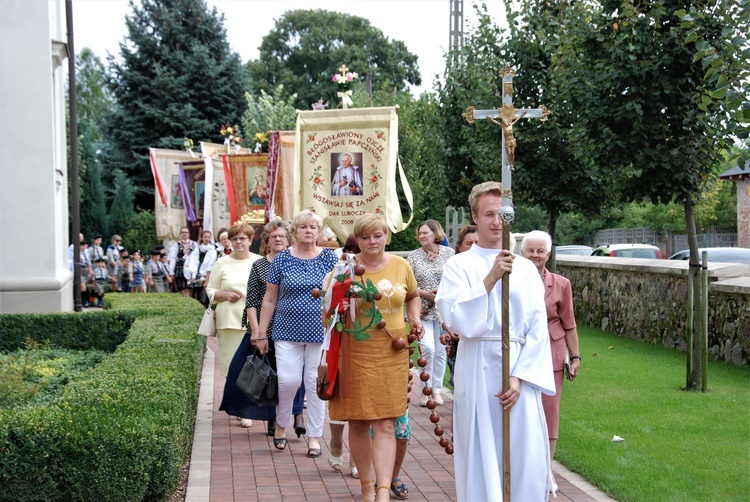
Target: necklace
{"type": "Point", "coordinates": [431, 255]}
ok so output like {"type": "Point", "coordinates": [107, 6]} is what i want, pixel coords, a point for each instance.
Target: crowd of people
{"type": "Point", "coordinates": [449, 299]}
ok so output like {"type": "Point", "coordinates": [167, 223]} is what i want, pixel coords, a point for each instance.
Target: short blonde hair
{"type": "Point", "coordinates": [371, 222]}
{"type": "Point", "coordinates": [241, 228]}
{"type": "Point", "coordinates": [491, 187]}
{"type": "Point", "coordinates": [436, 228]}
{"type": "Point", "coordinates": [304, 216]}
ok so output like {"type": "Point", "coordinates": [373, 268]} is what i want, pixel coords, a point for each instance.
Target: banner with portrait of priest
{"type": "Point", "coordinates": [347, 162]}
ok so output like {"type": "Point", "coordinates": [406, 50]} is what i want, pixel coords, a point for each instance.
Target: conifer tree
{"type": "Point", "coordinates": [176, 77]}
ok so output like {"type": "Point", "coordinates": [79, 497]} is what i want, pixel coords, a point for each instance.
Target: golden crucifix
{"type": "Point", "coordinates": [505, 117]}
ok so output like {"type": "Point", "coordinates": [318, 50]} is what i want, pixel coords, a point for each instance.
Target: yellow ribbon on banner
{"type": "Point", "coordinates": [346, 98]}
{"type": "Point", "coordinates": [358, 146]}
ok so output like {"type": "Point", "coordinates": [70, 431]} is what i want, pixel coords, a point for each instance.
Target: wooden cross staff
{"type": "Point", "coordinates": [505, 117]}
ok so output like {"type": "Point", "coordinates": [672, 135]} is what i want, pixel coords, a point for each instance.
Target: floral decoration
{"type": "Point", "coordinates": [310, 138]}
{"type": "Point", "coordinates": [380, 135]}
{"type": "Point", "coordinates": [320, 105]}
{"type": "Point", "coordinates": [374, 178]}
{"type": "Point", "coordinates": [343, 81]}
{"type": "Point", "coordinates": [317, 178]}
{"type": "Point", "coordinates": [231, 136]}
{"type": "Point", "coordinates": [261, 142]}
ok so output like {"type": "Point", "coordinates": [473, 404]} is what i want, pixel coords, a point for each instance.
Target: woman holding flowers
{"type": "Point", "coordinates": [378, 371]}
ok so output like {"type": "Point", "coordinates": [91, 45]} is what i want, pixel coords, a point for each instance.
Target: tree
{"type": "Point", "coordinates": [176, 78]}
{"type": "Point", "coordinates": [93, 212]}
{"type": "Point", "coordinates": [268, 112]}
{"type": "Point", "coordinates": [645, 116]}
{"type": "Point", "coordinates": [548, 172]}
{"type": "Point", "coordinates": [94, 103]}
{"type": "Point", "coordinates": [307, 47]}
{"type": "Point", "coordinates": [121, 210]}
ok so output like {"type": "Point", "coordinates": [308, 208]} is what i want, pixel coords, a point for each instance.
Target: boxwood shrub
{"type": "Point", "coordinates": [123, 430]}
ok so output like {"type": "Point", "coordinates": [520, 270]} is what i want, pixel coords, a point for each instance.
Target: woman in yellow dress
{"type": "Point", "coordinates": [378, 372]}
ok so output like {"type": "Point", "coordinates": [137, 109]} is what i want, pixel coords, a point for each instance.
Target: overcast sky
{"type": "Point", "coordinates": [423, 25]}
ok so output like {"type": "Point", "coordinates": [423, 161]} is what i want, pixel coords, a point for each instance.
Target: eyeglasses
{"type": "Point", "coordinates": [239, 239]}
{"type": "Point", "coordinates": [277, 237]}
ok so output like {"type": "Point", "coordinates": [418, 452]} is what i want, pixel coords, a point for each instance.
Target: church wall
{"type": "Point", "coordinates": [646, 300]}
{"type": "Point", "coordinates": [34, 274]}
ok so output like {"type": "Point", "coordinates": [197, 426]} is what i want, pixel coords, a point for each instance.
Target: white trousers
{"type": "Point", "coordinates": [434, 352]}
{"type": "Point", "coordinates": [291, 359]}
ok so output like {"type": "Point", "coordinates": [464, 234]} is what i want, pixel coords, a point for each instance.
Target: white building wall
{"type": "Point", "coordinates": [34, 275]}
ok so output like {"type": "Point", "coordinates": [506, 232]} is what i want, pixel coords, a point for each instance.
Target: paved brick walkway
{"type": "Point", "coordinates": [230, 463]}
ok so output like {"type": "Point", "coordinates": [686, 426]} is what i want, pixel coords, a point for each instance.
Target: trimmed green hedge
{"type": "Point", "coordinates": [103, 330]}
{"type": "Point", "coordinates": [123, 431]}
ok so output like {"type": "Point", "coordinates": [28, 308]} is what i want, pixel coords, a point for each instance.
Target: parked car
{"type": "Point", "coordinates": [574, 250]}
{"type": "Point", "coordinates": [628, 251]}
{"type": "Point", "coordinates": [720, 255]}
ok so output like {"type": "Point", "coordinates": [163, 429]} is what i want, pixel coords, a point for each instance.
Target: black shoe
{"type": "Point", "coordinates": [299, 425]}
{"type": "Point", "coordinates": [271, 427]}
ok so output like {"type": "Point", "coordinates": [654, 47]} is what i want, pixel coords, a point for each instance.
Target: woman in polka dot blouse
{"type": "Point", "coordinates": [297, 331]}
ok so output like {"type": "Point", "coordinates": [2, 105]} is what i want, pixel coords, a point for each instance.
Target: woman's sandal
{"type": "Point", "coordinates": [381, 488]}
{"type": "Point", "coordinates": [353, 468]}
{"type": "Point", "coordinates": [336, 463]}
{"type": "Point", "coordinates": [399, 489]}
{"type": "Point", "coordinates": [279, 443]}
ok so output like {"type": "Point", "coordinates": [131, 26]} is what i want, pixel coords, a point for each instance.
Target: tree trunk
{"type": "Point", "coordinates": [552, 263]}
{"type": "Point", "coordinates": [695, 364]}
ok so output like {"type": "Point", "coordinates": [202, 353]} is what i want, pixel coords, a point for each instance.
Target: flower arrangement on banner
{"type": "Point", "coordinates": [320, 105]}
{"type": "Point", "coordinates": [231, 137]}
{"type": "Point", "coordinates": [343, 80]}
{"type": "Point", "coordinates": [188, 145]}
{"type": "Point", "coordinates": [261, 142]}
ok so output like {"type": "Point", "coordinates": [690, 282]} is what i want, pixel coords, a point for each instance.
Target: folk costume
{"type": "Point", "coordinates": [466, 308]}
{"type": "Point", "coordinates": [179, 254]}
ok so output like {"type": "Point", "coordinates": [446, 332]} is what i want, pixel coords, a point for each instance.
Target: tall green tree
{"type": "Point", "coordinates": [121, 210]}
{"type": "Point", "coordinates": [645, 113]}
{"type": "Point", "coordinates": [176, 77]}
{"type": "Point", "coordinates": [94, 103]}
{"type": "Point", "coordinates": [268, 112]}
{"type": "Point", "coordinates": [548, 173]}
{"type": "Point", "coordinates": [307, 47]}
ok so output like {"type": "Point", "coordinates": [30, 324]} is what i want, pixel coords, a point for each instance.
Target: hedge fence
{"type": "Point", "coordinates": [124, 429]}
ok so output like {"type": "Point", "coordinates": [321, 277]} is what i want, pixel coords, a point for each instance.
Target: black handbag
{"type": "Point", "coordinates": [258, 381]}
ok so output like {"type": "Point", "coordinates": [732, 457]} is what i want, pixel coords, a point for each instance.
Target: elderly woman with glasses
{"type": "Point", "coordinates": [297, 331]}
{"type": "Point", "coordinates": [227, 288]}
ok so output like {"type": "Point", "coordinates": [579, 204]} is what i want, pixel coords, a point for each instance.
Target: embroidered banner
{"type": "Point", "coordinates": [347, 162]}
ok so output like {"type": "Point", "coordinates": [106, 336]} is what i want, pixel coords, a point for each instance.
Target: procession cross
{"type": "Point", "coordinates": [505, 117]}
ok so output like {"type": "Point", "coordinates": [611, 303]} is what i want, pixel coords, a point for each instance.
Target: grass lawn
{"type": "Point", "coordinates": [678, 446]}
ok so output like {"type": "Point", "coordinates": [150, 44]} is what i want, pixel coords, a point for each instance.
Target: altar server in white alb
{"type": "Point", "coordinates": [470, 301]}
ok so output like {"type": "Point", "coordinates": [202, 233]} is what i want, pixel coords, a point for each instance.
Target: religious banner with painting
{"type": "Point", "coordinates": [192, 179]}
{"type": "Point", "coordinates": [246, 183]}
{"type": "Point", "coordinates": [347, 162]}
{"type": "Point", "coordinates": [169, 207]}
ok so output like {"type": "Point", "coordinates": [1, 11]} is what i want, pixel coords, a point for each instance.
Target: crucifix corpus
{"type": "Point", "coordinates": [505, 117]}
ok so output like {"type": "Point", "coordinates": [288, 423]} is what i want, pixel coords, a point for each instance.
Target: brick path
{"type": "Point", "coordinates": [230, 463]}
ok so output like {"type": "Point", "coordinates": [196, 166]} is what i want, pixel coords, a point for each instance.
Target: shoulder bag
{"type": "Point", "coordinates": [258, 381]}
{"type": "Point", "coordinates": [208, 324]}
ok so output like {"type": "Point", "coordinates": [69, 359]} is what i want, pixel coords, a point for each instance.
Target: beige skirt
{"type": "Point", "coordinates": [229, 341]}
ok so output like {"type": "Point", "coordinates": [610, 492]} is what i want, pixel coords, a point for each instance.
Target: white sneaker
{"type": "Point", "coordinates": [438, 398]}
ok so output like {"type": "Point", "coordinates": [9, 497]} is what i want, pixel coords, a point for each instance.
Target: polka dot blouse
{"type": "Point", "coordinates": [297, 315]}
